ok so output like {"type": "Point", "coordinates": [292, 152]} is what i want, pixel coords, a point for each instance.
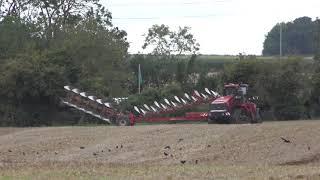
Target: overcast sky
{"type": "Point", "coordinates": [220, 26]}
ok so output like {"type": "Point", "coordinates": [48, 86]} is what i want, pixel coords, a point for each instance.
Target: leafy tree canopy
{"type": "Point", "coordinates": [298, 38]}
{"type": "Point", "coordinates": [163, 41]}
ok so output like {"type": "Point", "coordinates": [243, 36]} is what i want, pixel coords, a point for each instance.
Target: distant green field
{"type": "Point", "coordinates": [216, 63]}
{"type": "Point", "coordinates": [229, 58]}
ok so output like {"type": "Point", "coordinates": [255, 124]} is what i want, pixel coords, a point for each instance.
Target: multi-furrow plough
{"type": "Point", "coordinates": [158, 112]}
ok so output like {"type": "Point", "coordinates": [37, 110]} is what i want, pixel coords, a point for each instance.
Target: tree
{"type": "Point", "coordinates": [57, 15]}
{"type": "Point", "coordinates": [13, 7]}
{"type": "Point", "coordinates": [159, 37]}
{"type": "Point", "coordinates": [60, 42]}
{"type": "Point", "coordinates": [28, 84]}
{"type": "Point", "coordinates": [184, 42]}
{"type": "Point", "coordinates": [317, 40]}
{"type": "Point", "coordinates": [163, 41]}
{"type": "Point", "coordinates": [16, 35]}
{"type": "Point", "coordinates": [53, 16]}
{"type": "Point", "coordinates": [297, 38]}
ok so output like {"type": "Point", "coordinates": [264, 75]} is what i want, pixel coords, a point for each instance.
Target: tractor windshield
{"type": "Point", "coordinates": [231, 91]}
{"type": "Point", "coordinates": [221, 106]}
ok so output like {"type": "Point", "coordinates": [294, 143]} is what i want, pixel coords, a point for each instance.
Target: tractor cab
{"type": "Point", "coordinates": [235, 89]}
{"type": "Point", "coordinates": [239, 91]}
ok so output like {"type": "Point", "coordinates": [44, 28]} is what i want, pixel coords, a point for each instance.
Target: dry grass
{"type": "Point", "coordinates": [220, 151]}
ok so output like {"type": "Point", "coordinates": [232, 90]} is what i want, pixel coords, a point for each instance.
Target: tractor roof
{"type": "Point", "coordinates": [235, 85]}
{"type": "Point", "coordinates": [231, 85]}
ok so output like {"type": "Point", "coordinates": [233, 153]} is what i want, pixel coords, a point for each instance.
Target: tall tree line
{"type": "Point", "coordinates": [299, 37]}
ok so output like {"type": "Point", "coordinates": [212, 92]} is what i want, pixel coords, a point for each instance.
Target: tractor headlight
{"type": "Point", "coordinates": [226, 114]}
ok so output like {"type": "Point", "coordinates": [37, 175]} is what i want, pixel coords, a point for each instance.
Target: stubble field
{"type": "Point", "coordinates": [272, 150]}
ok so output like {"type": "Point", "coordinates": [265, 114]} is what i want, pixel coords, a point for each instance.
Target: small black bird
{"type": "Point", "coordinates": [117, 147]}
{"type": "Point", "coordinates": [285, 140]}
{"type": "Point", "coordinates": [9, 150]}
{"type": "Point", "coordinates": [55, 153]}
{"type": "Point", "coordinates": [81, 147]}
{"type": "Point", "coordinates": [209, 146]}
{"type": "Point", "coordinates": [121, 146]}
{"type": "Point", "coordinates": [196, 161]}
{"type": "Point", "coordinates": [167, 147]}
{"type": "Point", "coordinates": [183, 161]}
{"type": "Point", "coordinates": [309, 148]}
{"type": "Point", "coordinates": [95, 154]}
{"type": "Point", "coordinates": [166, 154]}
{"type": "Point", "coordinates": [109, 150]}
{"type": "Point", "coordinates": [180, 140]}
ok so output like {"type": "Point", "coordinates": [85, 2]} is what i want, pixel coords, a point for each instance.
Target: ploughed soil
{"type": "Point", "coordinates": [271, 150]}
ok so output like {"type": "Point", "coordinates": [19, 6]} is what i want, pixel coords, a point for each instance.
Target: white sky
{"type": "Point", "coordinates": [220, 26]}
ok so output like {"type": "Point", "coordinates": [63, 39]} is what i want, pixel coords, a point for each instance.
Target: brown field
{"type": "Point", "coordinates": [194, 151]}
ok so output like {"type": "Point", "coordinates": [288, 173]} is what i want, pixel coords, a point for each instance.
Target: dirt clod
{"type": "Point", "coordinates": [285, 140]}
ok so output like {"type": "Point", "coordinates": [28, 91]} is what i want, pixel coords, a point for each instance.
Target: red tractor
{"type": "Point", "coordinates": [233, 107]}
